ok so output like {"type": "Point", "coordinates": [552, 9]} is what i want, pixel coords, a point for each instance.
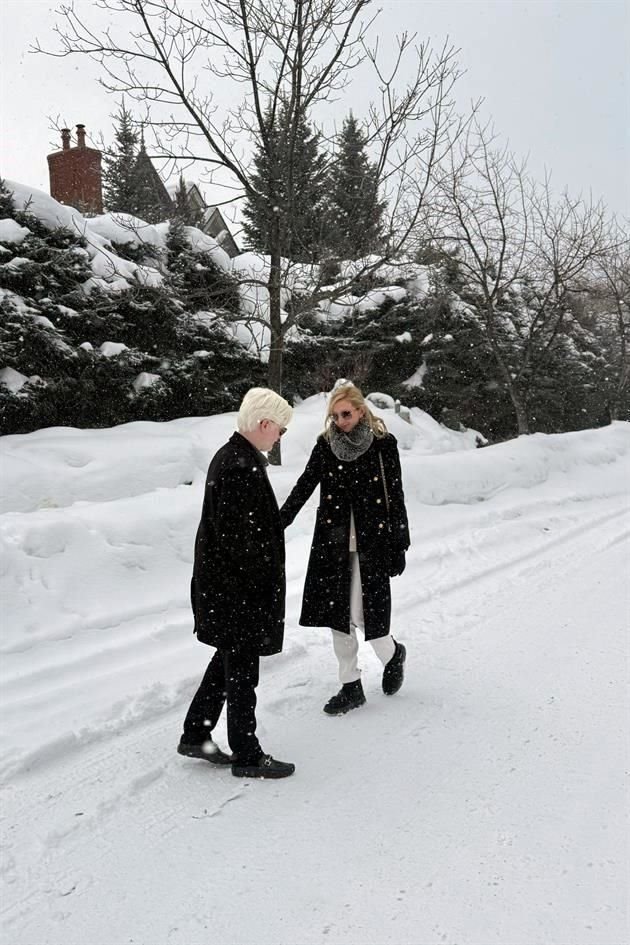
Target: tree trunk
{"type": "Point", "coordinates": [520, 409]}
{"type": "Point", "coordinates": [518, 401]}
{"type": "Point", "coordinates": [274, 371]}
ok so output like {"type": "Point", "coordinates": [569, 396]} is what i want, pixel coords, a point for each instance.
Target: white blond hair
{"type": "Point", "coordinates": [260, 403]}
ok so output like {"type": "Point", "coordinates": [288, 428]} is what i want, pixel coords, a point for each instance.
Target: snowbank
{"type": "Point", "coordinates": [124, 228]}
{"type": "Point", "coordinates": [91, 513]}
{"type": "Point", "coordinates": [12, 232]}
{"type": "Point", "coordinates": [12, 379]}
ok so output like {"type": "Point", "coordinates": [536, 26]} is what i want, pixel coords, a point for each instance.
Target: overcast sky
{"type": "Point", "coordinates": [555, 76]}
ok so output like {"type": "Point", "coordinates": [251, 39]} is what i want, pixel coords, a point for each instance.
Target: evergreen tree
{"type": "Point", "coordinates": [119, 173]}
{"type": "Point", "coordinates": [131, 184]}
{"type": "Point", "coordinates": [151, 202]}
{"type": "Point", "coordinates": [7, 207]}
{"type": "Point", "coordinates": [354, 226]}
{"type": "Point", "coordinates": [195, 278]}
{"type": "Point", "coordinates": [184, 209]}
{"type": "Point", "coordinates": [289, 181]}
{"type": "Point", "coordinates": [177, 252]}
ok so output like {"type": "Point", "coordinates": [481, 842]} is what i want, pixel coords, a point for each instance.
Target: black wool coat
{"type": "Point", "coordinates": [344, 485]}
{"type": "Point", "coordinates": [238, 584]}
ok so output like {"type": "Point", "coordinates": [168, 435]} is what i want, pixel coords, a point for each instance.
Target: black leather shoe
{"type": "Point", "coordinates": [394, 672]}
{"type": "Point", "coordinates": [207, 751]}
{"type": "Point", "coordinates": [265, 767]}
{"type": "Point", "coordinates": [350, 696]}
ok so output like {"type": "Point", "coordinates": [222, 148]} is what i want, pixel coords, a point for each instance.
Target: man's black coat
{"type": "Point", "coordinates": [238, 585]}
{"type": "Point", "coordinates": [357, 485]}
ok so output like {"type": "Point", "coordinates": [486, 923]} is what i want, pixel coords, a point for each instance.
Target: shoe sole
{"type": "Point", "coordinates": [260, 775]}
{"type": "Point", "coordinates": [219, 759]}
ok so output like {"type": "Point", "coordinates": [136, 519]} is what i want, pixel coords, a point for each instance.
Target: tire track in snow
{"type": "Point", "coordinates": [536, 553]}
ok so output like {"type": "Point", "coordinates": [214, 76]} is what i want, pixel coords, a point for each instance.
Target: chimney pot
{"type": "Point", "coordinates": [80, 136]}
{"type": "Point", "coordinates": [65, 138]}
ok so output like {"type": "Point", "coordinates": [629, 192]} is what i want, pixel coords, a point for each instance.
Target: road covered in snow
{"type": "Point", "coordinates": [485, 803]}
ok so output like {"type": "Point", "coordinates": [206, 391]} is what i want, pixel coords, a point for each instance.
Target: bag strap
{"type": "Point", "coordinates": [380, 459]}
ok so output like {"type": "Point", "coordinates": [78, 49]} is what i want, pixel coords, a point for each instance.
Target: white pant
{"type": "Point", "coordinates": [346, 645]}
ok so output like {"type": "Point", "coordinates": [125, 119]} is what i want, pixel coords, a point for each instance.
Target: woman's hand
{"type": "Point", "coordinates": [398, 563]}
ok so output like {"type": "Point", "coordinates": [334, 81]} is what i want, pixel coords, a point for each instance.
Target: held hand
{"type": "Point", "coordinates": [398, 563]}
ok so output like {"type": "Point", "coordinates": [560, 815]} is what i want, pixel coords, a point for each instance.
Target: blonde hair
{"type": "Point", "coordinates": [260, 403]}
{"type": "Point", "coordinates": [351, 393]}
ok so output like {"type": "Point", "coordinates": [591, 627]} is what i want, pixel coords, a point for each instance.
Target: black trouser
{"type": "Point", "coordinates": [231, 676]}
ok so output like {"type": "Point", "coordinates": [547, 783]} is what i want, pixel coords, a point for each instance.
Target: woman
{"type": "Point", "coordinates": [361, 536]}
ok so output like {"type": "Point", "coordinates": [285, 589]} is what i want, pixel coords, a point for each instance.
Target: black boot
{"type": "Point", "coordinates": [350, 696]}
{"type": "Point", "coordinates": [394, 671]}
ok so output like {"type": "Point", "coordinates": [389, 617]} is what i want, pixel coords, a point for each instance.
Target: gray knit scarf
{"type": "Point", "coordinates": [349, 446]}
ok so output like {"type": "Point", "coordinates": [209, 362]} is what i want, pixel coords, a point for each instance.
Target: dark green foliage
{"type": "Point", "coordinates": [50, 269]}
{"type": "Point", "coordinates": [46, 261]}
{"type": "Point", "coordinates": [184, 209]}
{"type": "Point", "coordinates": [77, 386]}
{"type": "Point", "coordinates": [355, 213]}
{"type": "Point", "coordinates": [460, 386]}
{"type": "Point", "coordinates": [130, 182]}
{"type": "Point", "coordinates": [119, 180]}
{"type": "Point", "coordinates": [151, 201]}
{"type": "Point", "coordinates": [200, 387]}
{"type": "Point", "coordinates": [178, 330]}
{"type": "Point", "coordinates": [7, 206]}
{"type": "Point", "coordinates": [571, 392]}
{"type": "Point", "coordinates": [85, 389]}
{"type": "Point", "coordinates": [289, 184]}
{"type": "Point", "coordinates": [143, 317]}
{"type": "Point", "coordinates": [195, 279]}
{"type": "Point", "coordinates": [143, 254]}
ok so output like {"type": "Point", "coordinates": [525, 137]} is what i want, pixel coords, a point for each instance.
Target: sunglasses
{"type": "Point", "coordinates": [344, 415]}
{"type": "Point", "coordinates": [282, 430]}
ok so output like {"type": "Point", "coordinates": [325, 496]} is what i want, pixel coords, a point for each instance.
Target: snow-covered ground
{"type": "Point", "coordinates": [483, 804]}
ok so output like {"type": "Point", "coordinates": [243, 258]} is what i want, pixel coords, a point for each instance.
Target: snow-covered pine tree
{"type": "Point", "coordinates": [53, 371]}
{"type": "Point", "coordinates": [119, 162]}
{"type": "Point", "coordinates": [290, 184]}
{"type": "Point", "coordinates": [355, 213]}
{"type": "Point", "coordinates": [195, 278]}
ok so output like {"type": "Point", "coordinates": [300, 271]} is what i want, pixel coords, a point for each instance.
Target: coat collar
{"type": "Point", "coordinates": [242, 443]}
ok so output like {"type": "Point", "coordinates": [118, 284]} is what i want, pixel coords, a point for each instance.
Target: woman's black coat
{"type": "Point", "coordinates": [238, 585]}
{"type": "Point", "coordinates": [357, 484]}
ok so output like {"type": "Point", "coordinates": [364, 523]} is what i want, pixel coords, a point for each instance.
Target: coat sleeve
{"type": "Point", "coordinates": [303, 489]}
{"type": "Point", "coordinates": [399, 524]}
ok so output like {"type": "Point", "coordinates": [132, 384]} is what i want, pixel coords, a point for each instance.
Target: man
{"type": "Point", "coordinates": [238, 589]}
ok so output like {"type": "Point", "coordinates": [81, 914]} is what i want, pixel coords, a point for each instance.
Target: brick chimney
{"type": "Point", "coordinates": [75, 174]}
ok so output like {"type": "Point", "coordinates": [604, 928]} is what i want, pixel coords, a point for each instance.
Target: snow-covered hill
{"type": "Point", "coordinates": [481, 805]}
